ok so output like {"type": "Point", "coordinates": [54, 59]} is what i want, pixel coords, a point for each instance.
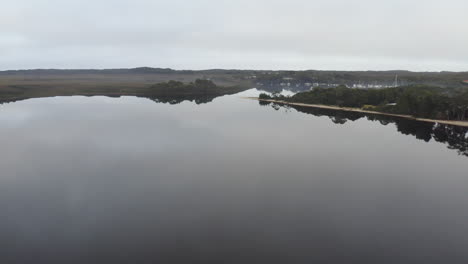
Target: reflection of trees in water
{"type": "Point", "coordinates": [158, 99]}
{"type": "Point", "coordinates": [7, 101]}
{"type": "Point", "coordinates": [264, 103]}
{"type": "Point", "coordinates": [454, 137]}
{"type": "Point", "coordinates": [179, 99]}
{"type": "Point", "coordinates": [276, 106]}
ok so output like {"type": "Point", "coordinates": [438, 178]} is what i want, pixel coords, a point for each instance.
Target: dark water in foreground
{"type": "Point", "coordinates": [128, 180]}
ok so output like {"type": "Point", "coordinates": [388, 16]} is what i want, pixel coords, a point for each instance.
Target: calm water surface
{"type": "Point", "coordinates": [129, 180]}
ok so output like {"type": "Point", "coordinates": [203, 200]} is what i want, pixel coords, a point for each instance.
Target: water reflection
{"type": "Point", "coordinates": [455, 137]}
{"type": "Point", "coordinates": [128, 180]}
{"type": "Point", "coordinates": [180, 99]}
{"type": "Point", "coordinates": [158, 99]}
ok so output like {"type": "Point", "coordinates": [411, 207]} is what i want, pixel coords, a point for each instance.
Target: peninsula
{"type": "Point", "coordinates": [422, 103]}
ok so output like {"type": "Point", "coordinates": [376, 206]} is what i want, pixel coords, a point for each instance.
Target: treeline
{"type": "Point", "coordinates": [198, 87]}
{"type": "Point", "coordinates": [175, 87]}
{"type": "Point", "coordinates": [174, 92]}
{"type": "Point", "coordinates": [442, 79]}
{"type": "Point", "coordinates": [418, 101]}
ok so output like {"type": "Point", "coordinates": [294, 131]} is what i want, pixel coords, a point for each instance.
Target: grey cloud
{"type": "Point", "coordinates": [266, 34]}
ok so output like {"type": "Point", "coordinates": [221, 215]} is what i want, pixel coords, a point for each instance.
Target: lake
{"type": "Point", "coordinates": [131, 180]}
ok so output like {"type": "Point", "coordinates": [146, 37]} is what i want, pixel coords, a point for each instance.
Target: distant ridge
{"type": "Point", "coordinates": [101, 71]}
{"type": "Point", "coordinates": [145, 69]}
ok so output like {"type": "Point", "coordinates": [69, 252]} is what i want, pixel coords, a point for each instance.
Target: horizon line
{"type": "Point", "coordinates": [220, 69]}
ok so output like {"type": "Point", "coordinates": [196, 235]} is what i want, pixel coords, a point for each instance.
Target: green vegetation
{"type": "Point", "coordinates": [200, 90]}
{"type": "Point", "coordinates": [296, 80]}
{"type": "Point", "coordinates": [199, 87]}
{"type": "Point", "coordinates": [166, 85]}
{"type": "Point", "coordinates": [25, 84]}
{"type": "Point", "coordinates": [264, 96]}
{"type": "Point", "coordinates": [418, 101]}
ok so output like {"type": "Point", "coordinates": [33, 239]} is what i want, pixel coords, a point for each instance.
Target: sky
{"type": "Point", "coordinates": [418, 35]}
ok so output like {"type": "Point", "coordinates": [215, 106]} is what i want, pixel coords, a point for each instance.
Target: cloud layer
{"type": "Point", "coordinates": [261, 34]}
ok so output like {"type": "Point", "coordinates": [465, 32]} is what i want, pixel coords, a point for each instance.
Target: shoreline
{"type": "Point", "coordinates": [358, 110]}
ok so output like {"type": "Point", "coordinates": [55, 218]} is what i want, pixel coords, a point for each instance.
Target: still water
{"type": "Point", "coordinates": [130, 180]}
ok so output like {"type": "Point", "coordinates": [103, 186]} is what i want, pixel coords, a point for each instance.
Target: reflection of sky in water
{"type": "Point", "coordinates": [256, 92]}
{"type": "Point", "coordinates": [127, 179]}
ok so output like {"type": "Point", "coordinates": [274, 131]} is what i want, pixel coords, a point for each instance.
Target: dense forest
{"type": "Point", "coordinates": [419, 101]}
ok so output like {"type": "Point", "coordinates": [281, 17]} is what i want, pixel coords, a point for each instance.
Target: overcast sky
{"type": "Point", "coordinates": [247, 34]}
